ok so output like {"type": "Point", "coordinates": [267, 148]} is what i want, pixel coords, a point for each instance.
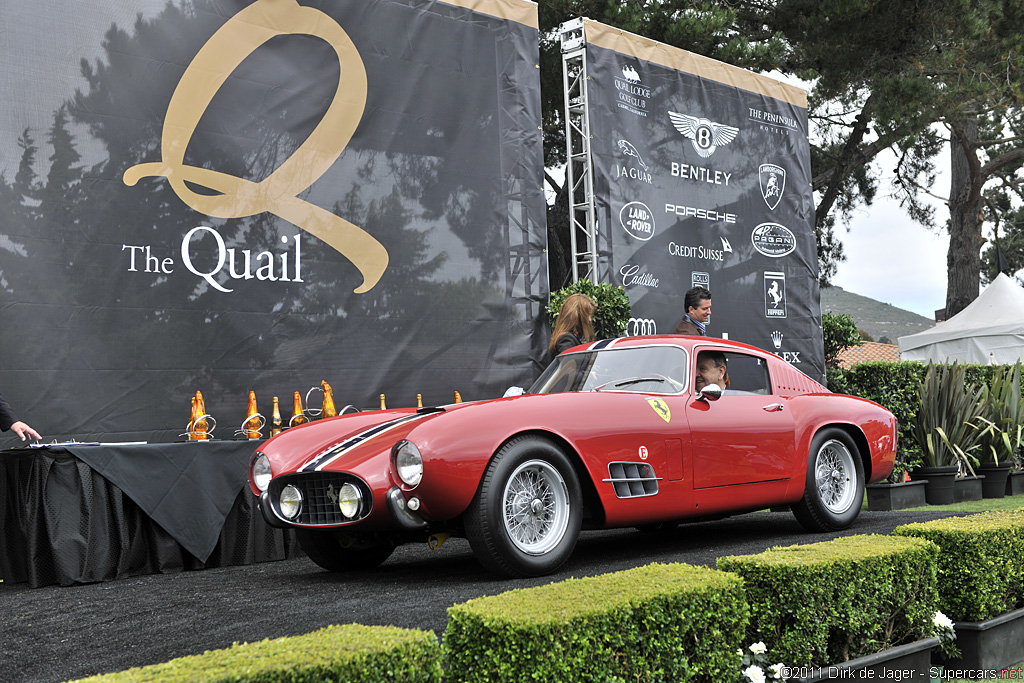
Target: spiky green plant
{"type": "Point", "coordinates": [1000, 432]}
{"type": "Point", "coordinates": [942, 427]}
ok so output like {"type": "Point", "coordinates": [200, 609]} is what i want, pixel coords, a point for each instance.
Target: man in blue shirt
{"type": "Point", "coordinates": [698, 309]}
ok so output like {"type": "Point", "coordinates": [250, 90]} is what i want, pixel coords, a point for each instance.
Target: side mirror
{"type": "Point", "coordinates": [710, 392]}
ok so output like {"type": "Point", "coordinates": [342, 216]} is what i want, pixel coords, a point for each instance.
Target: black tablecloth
{"type": "Point", "coordinates": [83, 514]}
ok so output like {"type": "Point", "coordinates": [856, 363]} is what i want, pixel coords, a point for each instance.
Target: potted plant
{"type": "Point", "coordinates": [943, 431]}
{"type": "Point", "coordinates": [1000, 431]}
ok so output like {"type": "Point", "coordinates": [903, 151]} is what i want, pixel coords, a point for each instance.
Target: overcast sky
{"type": "Point", "coordinates": [892, 259]}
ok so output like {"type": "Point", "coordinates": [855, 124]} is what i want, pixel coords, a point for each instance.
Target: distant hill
{"type": "Point", "coordinates": [874, 317]}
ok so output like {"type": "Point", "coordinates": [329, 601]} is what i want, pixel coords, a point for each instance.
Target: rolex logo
{"type": "Point", "coordinates": [234, 197]}
{"type": "Point", "coordinates": [777, 339]}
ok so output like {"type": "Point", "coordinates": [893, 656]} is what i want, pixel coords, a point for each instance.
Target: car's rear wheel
{"type": "Point", "coordinates": [526, 515]}
{"type": "Point", "coordinates": [339, 552]}
{"type": "Point", "coordinates": [834, 488]}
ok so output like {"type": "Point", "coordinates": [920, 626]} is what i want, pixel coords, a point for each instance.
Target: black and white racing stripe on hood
{"type": "Point", "coordinates": [332, 453]}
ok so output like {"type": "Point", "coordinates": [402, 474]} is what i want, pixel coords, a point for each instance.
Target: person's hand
{"type": "Point", "coordinates": [24, 431]}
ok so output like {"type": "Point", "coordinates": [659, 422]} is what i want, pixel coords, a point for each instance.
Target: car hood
{"type": "Point", "coordinates": [316, 445]}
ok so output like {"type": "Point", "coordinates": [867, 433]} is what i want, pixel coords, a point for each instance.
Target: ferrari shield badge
{"type": "Point", "coordinates": [661, 408]}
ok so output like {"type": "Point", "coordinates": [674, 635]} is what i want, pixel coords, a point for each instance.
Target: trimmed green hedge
{"type": "Point", "coordinates": [660, 622]}
{"type": "Point", "coordinates": [826, 603]}
{"type": "Point", "coordinates": [351, 653]}
{"type": "Point", "coordinates": [894, 385]}
{"type": "Point", "coordinates": [981, 566]}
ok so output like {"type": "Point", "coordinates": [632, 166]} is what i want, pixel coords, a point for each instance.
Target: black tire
{"type": "Point", "coordinates": [340, 552]}
{"type": "Point", "coordinates": [527, 512]}
{"type": "Point", "coordinates": [834, 488]}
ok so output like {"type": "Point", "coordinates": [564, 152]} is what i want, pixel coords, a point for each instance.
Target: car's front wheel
{"type": "Point", "coordinates": [341, 552]}
{"type": "Point", "coordinates": [526, 515]}
{"type": "Point", "coordinates": [834, 488]}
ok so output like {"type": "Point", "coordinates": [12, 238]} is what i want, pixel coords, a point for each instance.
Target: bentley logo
{"type": "Point", "coordinates": [661, 408]}
{"type": "Point", "coordinates": [705, 135]}
{"type": "Point", "coordinates": [773, 182]}
{"type": "Point", "coordinates": [233, 197]}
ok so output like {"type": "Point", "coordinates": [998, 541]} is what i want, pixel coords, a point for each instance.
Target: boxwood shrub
{"type": "Point", "coordinates": [981, 563]}
{"type": "Point", "coordinates": [659, 622]}
{"type": "Point", "coordinates": [351, 653]}
{"type": "Point", "coordinates": [826, 603]}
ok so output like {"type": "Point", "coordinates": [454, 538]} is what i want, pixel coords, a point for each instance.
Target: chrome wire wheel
{"type": "Point", "coordinates": [835, 476]}
{"type": "Point", "coordinates": [535, 507]}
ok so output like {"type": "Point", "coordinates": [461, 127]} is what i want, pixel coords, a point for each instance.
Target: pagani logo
{"type": "Point", "coordinates": [278, 193]}
{"type": "Point", "coordinates": [637, 220]}
{"type": "Point", "coordinates": [661, 408]}
{"type": "Point", "coordinates": [773, 182]}
{"type": "Point", "coordinates": [705, 135]}
{"type": "Point", "coordinates": [642, 327]}
{"type": "Point", "coordinates": [773, 239]}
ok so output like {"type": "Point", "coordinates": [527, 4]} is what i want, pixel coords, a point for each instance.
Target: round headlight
{"type": "Point", "coordinates": [261, 474]}
{"type": "Point", "coordinates": [408, 463]}
{"type": "Point", "coordinates": [349, 499]}
{"type": "Point", "coordinates": [290, 501]}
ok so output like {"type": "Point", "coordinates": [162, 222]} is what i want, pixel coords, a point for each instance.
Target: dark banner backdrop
{"type": "Point", "coordinates": [702, 176]}
{"type": "Point", "coordinates": [228, 196]}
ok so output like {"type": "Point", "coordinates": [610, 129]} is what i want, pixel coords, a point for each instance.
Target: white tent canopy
{"type": "Point", "coordinates": [990, 330]}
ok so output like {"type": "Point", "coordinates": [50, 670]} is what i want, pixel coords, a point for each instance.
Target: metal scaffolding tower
{"type": "Point", "coordinates": [578, 169]}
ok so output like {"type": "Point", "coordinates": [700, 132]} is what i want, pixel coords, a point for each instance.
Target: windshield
{"type": "Point", "coordinates": [644, 369]}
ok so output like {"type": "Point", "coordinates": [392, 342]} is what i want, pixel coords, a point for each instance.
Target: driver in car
{"type": "Point", "coordinates": [711, 369]}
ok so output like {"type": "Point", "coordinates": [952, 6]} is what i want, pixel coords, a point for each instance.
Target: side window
{"type": "Point", "coordinates": [747, 374]}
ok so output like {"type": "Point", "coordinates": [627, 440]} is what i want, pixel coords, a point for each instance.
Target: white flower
{"type": "Point", "coordinates": [740, 652]}
{"type": "Point", "coordinates": [777, 670]}
{"type": "Point", "coordinates": [755, 674]}
{"type": "Point", "coordinates": [941, 621]}
{"type": "Point", "coordinates": [759, 648]}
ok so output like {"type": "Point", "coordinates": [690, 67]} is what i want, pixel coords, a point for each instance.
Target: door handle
{"type": "Point", "coordinates": [773, 407]}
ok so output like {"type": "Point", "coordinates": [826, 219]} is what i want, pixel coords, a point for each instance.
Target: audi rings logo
{"type": "Point", "coordinates": [642, 327]}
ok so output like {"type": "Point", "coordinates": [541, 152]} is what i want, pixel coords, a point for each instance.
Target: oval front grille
{"type": "Point", "coordinates": [320, 497]}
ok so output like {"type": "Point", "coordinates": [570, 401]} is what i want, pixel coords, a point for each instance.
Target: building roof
{"type": "Point", "coordinates": [868, 351]}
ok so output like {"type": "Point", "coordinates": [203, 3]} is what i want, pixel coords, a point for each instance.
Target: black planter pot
{"type": "Point", "coordinates": [900, 496]}
{"type": "Point", "coordinates": [938, 488]}
{"type": "Point", "coordinates": [967, 488]}
{"type": "Point", "coordinates": [994, 485]}
{"type": "Point", "coordinates": [991, 644]}
{"type": "Point", "coordinates": [912, 661]}
{"type": "Point", "coordinates": [1015, 484]}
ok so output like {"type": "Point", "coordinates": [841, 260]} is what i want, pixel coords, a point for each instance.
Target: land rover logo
{"type": "Point", "coordinates": [637, 220]}
{"type": "Point", "coordinates": [773, 239]}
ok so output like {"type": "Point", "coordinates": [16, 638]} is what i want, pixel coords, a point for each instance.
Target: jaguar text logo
{"type": "Point", "coordinates": [278, 193]}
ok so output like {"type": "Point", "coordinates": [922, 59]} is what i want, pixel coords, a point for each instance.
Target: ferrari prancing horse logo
{"type": "Point", "coordinates": [661, 408]}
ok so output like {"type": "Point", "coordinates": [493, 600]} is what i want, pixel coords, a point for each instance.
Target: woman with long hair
{"type": "Point", "coordinates": [574, 325]}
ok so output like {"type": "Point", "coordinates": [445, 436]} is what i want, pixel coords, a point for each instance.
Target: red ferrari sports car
{"type": "Point", "coordinates": [630, 432]}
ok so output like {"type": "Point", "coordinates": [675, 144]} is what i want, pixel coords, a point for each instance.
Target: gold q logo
{"type": "Point", "coordinates": [278, 192]}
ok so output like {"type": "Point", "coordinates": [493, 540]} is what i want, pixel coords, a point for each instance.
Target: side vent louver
{"type": "Point", "coordinates": [632, 479]}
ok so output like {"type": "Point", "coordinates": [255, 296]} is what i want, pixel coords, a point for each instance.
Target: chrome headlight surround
{"type": "Point", "coordinates": [290, 502]}
{"type": "Point", "coordinates": [260, 472]}
{"type": "Point", "coordinates": [407, 463]}
{"type": "Point", "coordinates": [350, 500]}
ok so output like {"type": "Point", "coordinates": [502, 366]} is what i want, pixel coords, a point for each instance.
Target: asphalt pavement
{"type": "Point", "coordinates": [54, 634]}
